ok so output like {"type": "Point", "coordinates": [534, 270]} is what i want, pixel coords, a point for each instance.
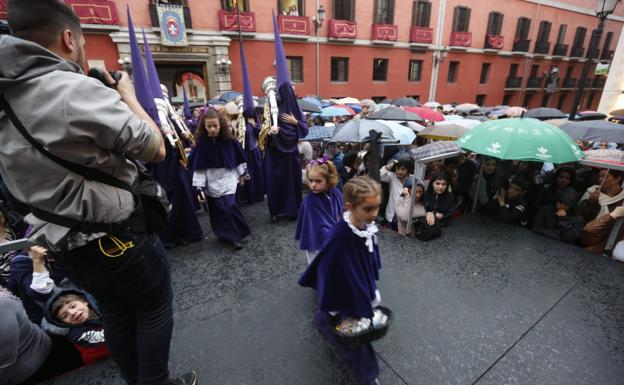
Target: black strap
{"type": "Point", "coordinates": [88, 173]}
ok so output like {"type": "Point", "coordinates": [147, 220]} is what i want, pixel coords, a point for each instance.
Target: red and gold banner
{"type": "Point", "coordinates": [296, 25]}
{"type": "Point", "coordinates": [388, 32]}
{"type": "Point", "coordinates": [421, 35]}
{"type": "Point", "coordinates": [342, 29]}
{"type": "Point", "coordinates": [228, 21]}
{"type": "Point", "coordinates": [94, 11]}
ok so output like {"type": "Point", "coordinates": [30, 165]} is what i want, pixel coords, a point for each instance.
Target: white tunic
{"type": "Point", "coordinates": [219, 182]}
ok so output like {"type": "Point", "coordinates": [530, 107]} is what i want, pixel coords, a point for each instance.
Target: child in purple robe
{"type": "Point", "coordinates": [321, 209]}
{"type": "Point", "coordinates": [219, 165]}
{"type": "Point", "coordinates": [345, 271]}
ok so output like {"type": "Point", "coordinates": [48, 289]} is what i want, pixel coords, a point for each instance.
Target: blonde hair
{"type": "Point", "coordinates": [327, 169]}
{"type": "Point", "coordinates": [357, 189]}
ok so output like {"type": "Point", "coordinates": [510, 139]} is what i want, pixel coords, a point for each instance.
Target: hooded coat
{"type": "Point", "coordinates": [568, 228]}
{"type": "Point", "coordinates": [440, 203]}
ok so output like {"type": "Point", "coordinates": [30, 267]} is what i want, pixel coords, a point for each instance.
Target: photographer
{"type": "Point", "coordinates": [59, 113]}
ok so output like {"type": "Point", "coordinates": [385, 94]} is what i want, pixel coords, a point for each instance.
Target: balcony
{"type": "Point", "coordinates": [606, 55]}
{"type": "Point", "coordinates": [577, 52]}
{"type": "Point", "coordinates": [598, 83]}
{"type": "Point", "coordinates": [228, 21]}
{"type": "Point", "coordinates": [596, 54]}
{"type": "Point", "coordinates": [494, 42]}
{"type": "Point", "coordinates": [542, 47]}
{"type": "Point", "coordinates": [560, 50]}
{"type": "Point", "coordinates": [154, 16]}
{"type": "Point", "coordinates": [569, 83]}
{"type": "Point", "coordinates": [461, 39]}
{"type": "Point", "coordinates": [535, 83]}
{"type": "Point", "coordinates": [385, 32]}
{"type": "Point", "coordinates": [421, 35]}
{"type": "Point", "coordinates": [342, 29]}
{"type": "Point", "coordinates": [294, 25]}
{"type": "Point", "coordinates": [513, 82]}
{"type": "Point", "coordinates": [521, 45]}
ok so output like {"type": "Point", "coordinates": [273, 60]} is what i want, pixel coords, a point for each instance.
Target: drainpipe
{"type": "Point", "coordinates": [437, 49]}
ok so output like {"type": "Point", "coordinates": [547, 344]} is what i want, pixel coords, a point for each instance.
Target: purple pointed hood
{"type": "Point", "coordinates": [152, 75]}
{"type": "Point", "coordinates": [187, 106]}
{"type": "Point", "coordinates": [248, 104]}
{"type": "Point", "coordinates": [141, 84]}
{"type": "Point", "coordinates": [281, 67]}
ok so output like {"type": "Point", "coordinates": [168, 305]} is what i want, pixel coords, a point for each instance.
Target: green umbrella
{"type": "Point", "coordinates": [521, 139]}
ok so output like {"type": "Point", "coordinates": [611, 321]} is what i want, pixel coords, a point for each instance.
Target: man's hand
{"type": "Point", "coordinates": [561, 213]}
{"type": "Point", "coordinates": [617, 213]}
{"type": "Point", "coordinates": [289, 118]}
{"type": "Point", "coordinates": [406, 192]}
{"type": "Point", "coordinates": [241, 180]}
{"type": "Point", "coordinates": [593, 197]}
{"type": "Point", "coordinates": [38, 253]}
{"type": "Point", "coordinates": [124, 87]}
{"type": "Point", "coordinates": [430, 218]}
{"type": "Point", "coordinates": [251, 121]}
{"type": "Point", "coordinates": [273, 131]}
{"type": "Point", "coordinates": [501, 197]}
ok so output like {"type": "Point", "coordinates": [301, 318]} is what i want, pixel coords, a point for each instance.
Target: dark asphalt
{"type": "Point", "coordinates": [485, 304]}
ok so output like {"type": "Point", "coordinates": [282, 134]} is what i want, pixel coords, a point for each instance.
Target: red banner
{"type": "Point", "coordinates": [461, 39]}
{"type": "Point", "coordinates": [387, 32]}
{"type": "Point", "coordinates": [297, 25]}
{"type": "Point", "coordinates": [495, 42]}
{"type": "Point", "coordinates": [95, 11]}
{"type": "Point", "coordinates": [228, 21]}
{"type": "Point", "coordinates": [3, 9]}
{"type": "Point", "coordinates": [342, 29]}
{"type": "Point", "coordinates": [421, 35]}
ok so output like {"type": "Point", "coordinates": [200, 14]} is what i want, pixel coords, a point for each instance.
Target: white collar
{"type": "Point", "coordinates": [368, 233]}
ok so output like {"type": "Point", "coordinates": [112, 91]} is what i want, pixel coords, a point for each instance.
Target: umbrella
{"type": "Point", "coordinates": [501, 107]}
{"type": "Point", "coordinates": [513, 112]}
{"type": "Point", "coordinates": [325, 103]}
{"type": "Point", "coordinates": [307, 106]}
{"type": "Point", "coordinates": [357, 131]}
{"type": "Point", "coordinates": [544, 113]}
{"type": "Point", "coordinates": [395, 113]}
{"type": "Point", "coordinates": [467, 107]}
{"type": "Point", "coordinates": [405, 102]}
{"type": "Point", "coordinates": [590, 115]}
{"type": "Point", "coordinates": [216, 102]}
{"type": "Point", "coordinates": [415, 126]}
{"type": "Point", "coordinates": [448, 108]}
{"type": "Point", "coordinates": [426, 113]}
{"type": "Point", "coordinates": [498, 113]}
{"type": "Point", "coordinates": [317, 133]}
{"type": "Point", "coordinates": [403, 134]}
{"type": "Point", "coordinates": [594, 130]}
{"type": "Point", "coordinates": [619, 112]}
{"type": "Point", "coordinates": [479, 118]}
{"type": "Point", "coordinates": [355, 107]}
{"type": "Point", "coordinates": [231, 108]}
{"type": "Point", "coordinates": [608, 156]}
{"type": "Point", "coordinates": [348, 100]}
{"type": "Point", "coordinates": [451, 118]}
{"type": "Point", "coordinates": [432, 104]}
{"type": "Point", "coordinates": [228, 96]}
{"type": "Point", "coordinates": [367, 102]}
{"type": "Point", "coordinates": [521, 139]}
{"type": "Point", "coordinates": [432, 149]}
{"type": "Point", "coordinates": [313, 100]}
{"type": "Point", "coordinates": [336, 111]}
{"type": "Point", "coordinates": [448, 130]}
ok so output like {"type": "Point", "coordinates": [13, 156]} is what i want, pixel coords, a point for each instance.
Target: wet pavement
{"type": "Point", "coordinates": [485, 304]}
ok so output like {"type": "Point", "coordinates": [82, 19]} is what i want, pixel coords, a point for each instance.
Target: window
{"type": "Point", "coordinates": [421, 13]}
{"type": "Point", "coordinates": [415, 97]}
{"type": "Point", "coordinates": [594, 41]}
{"type": "Point", "coordinates": [344, 9]}
{"type": "Point", "coordinates": [340, 69]}
{"type": "Point", "coordinates": [461, 19]}
{"type": "Point", "coordinates": [378, 99]}
{"type": "Point", "coordinates": [590, 100]}
{"type": "Point", "coordinates": [485, 73]}
{"type": "Point", "coordinates": [534, 69]}
{"type": "Point", "coordinates": [543, 34]}
{"type": "Point", "coordinates": [506, 99]}
{"type": "Point", "coordinates": [415, 70]}
{"type": "Point", "coordinates": [295, 68]}
{"type": "Point", "coordinates": [495, 23]}
{"type": "Point", "coordinates": [607, 42]}
{"type": "Point", "coordinates": [230, 5]}
{"type": "Point", "coordinates": [523, 27]}
{"type": "Point", "coordinates": [579, 37]}
{"type": "Point", "coordinates": [546, 99]}
{"type": "Point", "coordinates": [480, 100]}
{"type": "Point", "coordinates": [384, 11]}
{"type": "Point", "coordinates": [569, 72]}
{"type": "Point", "coordinates": [513, 70]}
{"type": "Point", "coordinates": [291, 7]}
{"type": "Point", "coordinates": [561, 35]}
{"type": "Point", "coordinates": [527, 100]}
{"type": "Point", "coordinates": [562, 99]}
{"type": "Point", "coordinates": [452, 73]}
{"type": "Point", "coordinates": [380, 70]}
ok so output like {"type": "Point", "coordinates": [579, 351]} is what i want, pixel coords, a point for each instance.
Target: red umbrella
{"type": "Point", "coordinates": [351, 110]}
{"type": "Point", "coordinates": [426, 113]}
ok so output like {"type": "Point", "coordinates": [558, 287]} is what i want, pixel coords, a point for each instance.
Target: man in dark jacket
{"type": "Point", "coordinates": [511, 206]}
{"type": "Point", "coordinates": [560, 221]}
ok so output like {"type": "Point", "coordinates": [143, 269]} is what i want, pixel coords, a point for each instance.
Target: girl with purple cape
{"type": "Point", "coordinates": [219, 165]}
{"type": "Point", "coordinates": [344, 274]}
{"type": "Point", "coordinates": [321, 208]}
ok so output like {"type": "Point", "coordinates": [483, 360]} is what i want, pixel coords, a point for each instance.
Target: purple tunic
{"type": "Point", "coordinates": [253, 190]}
{"type": "Point", "coordinates": [318, 215]}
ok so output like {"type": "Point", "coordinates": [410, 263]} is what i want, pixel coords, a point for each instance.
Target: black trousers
{"type": "Point", "coordinates": [135, 298]}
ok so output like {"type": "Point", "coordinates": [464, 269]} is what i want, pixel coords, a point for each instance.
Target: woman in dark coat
{"type": "Point", "coordinates": [439, 201]}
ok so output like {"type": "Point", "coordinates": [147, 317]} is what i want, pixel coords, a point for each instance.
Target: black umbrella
{"type": "Point", "coordinates": [544, 113]}
{"type": "Point", "coordinates": [594, 130]}
{"type": "Point", "coordinates": [480, 118]}
{"type": "Point", "coordinates": [405, 102]}
{"type": "Point", "coordinates": [307, 106]}
{"type": "Point", "coordinates": [590, 116]}
{"type": "Point", "coordinates": [395, 113]}
{"type": "Point", "coordinates": [358, 131]}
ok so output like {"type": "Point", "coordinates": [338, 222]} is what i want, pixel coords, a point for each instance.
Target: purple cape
{"type": "Point", "coordinates": [251, 135]}
{"type": "Point", "coordinates": [288, 137]}
{"type": "Point", "coordinates": [344, 273]}
{"type": "Point", "coordinates": [216, 153]}
{"type": "Point", "coordinates": [318, 214]}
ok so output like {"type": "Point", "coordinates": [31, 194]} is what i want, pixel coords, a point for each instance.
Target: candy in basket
{"type": "Point", "coordinates": [355, 332]}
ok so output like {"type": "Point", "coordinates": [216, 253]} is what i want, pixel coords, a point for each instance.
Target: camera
{"type": "Point", "coordinates": [98, 74]}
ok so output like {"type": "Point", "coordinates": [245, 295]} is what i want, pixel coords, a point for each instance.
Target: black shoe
{"type": "Point", "coordinates": [185, 379]}
{"type": "Point", "coordinates": [374, 382]}
{"type": "Point", "coordinates": [237, 245]}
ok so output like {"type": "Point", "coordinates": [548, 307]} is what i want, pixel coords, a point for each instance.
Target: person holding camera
{"type": "Point", "coordinates": [55, 121]}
